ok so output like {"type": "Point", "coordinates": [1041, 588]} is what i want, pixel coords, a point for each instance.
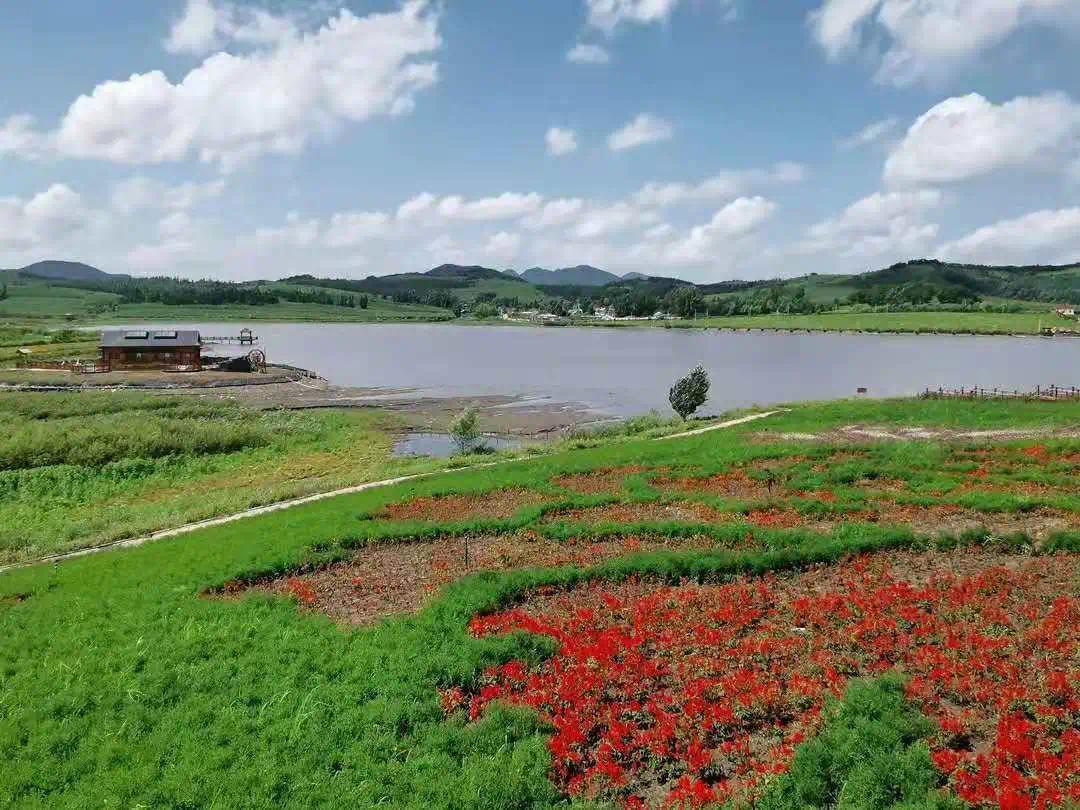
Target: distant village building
{"type": "Point", "coordinates": [1067, 312]}
{"type": "Point", "coordinates": [145, 350]}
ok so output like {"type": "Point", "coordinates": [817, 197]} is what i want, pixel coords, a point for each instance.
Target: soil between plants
{"type": "Point", "coordinates": [498, 504]}
{"type": "Point", "coordinates": [400, 578]}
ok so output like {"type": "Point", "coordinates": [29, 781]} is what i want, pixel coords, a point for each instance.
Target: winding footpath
{"type": "Point", "coordinates": [131, 542]}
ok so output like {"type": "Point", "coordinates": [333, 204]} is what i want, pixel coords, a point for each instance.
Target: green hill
{"type": "Point", "coordinates": [583, 275]}
{"type": "Point", "coordinates": [67, 271]}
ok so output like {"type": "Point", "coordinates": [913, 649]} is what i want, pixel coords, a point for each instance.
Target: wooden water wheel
{"type": "Point", "coordinates": [257, 358]}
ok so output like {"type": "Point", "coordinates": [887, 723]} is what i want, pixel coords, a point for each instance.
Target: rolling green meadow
{"type": "Point", "coordinates": [36, 302]}
{"type": "Point", "coordinates": [126, 682]}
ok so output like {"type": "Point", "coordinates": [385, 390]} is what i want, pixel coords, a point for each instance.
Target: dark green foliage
{"type": "Point", "coordinates": [303, 295]}
{"type": "Point", "coordinates": [870, 755]}
{"type": "Point", "coordinates": [92, 431]}
{"type": "Point", "coordinates": [970, 281]}
{"type": "Point", "coordinates": [689, 393]}
{"type": "Point", "coordinates": [686, 302]}
{"type": "Point", "coordinates": [465, 430]}
{"type": "Point", "coordinates": [177, 292]}
{"type": "Point", "coordinates": [767, 300]}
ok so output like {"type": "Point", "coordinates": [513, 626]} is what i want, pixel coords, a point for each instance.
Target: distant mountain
{"type": "Point", "coordinates": [68, 271]}
{"type": "Point", "coordinates": [472, 272]}
{"type": "Point", "coordinates": [583, 275]}
{"type": "Point", "coordinates": [634, 277]}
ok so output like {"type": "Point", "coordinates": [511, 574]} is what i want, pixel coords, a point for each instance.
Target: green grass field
{"type": "Point", "coordinates": [86, 468]}
{"type": "Point", "coordinates": [124, 685]}
{"type": "Point", "coordinates": [29, 302]}
{"type": "Point", "coordinates": [526, 293]}
{"type": "Point", "coordinates": [1020, 323]}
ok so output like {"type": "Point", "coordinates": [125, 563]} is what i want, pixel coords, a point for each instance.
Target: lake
{"type": "Point", "coordinates": [628, 371]}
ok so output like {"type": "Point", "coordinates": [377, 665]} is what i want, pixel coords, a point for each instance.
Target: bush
{"type": "Point", "coordinates": [872, 753]}
{"type": "Point", "coordinates": [689, 393]}
{"type": "Point", "coordinates": [465, 431]}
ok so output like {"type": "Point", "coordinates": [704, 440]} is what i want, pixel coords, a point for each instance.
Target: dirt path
{"type": "Point", "coordinates": [274, 507]}
{"type": "Point", "coordinates": [730, 423]}
{"type": "Point", "coordinates": [848, 434]}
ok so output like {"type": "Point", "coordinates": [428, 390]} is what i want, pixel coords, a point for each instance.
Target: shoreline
{"type": "Point", "coordinates": [716, 324]}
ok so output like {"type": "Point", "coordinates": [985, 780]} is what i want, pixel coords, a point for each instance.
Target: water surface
{"type": "Point", "coordinates": [442, 445]}
{"type": "Point", "coordinates": [629, 371]}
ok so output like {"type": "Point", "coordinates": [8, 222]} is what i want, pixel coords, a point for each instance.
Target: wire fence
{"type": "Point", "coordinates": [1052, 393]}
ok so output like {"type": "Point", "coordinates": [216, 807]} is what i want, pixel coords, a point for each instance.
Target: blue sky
{"type": "Point", "coordinates": [708, 139]}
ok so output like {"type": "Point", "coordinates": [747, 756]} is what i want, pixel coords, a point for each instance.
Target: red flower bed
{"type": "Point", "coordinates": [695, 694]}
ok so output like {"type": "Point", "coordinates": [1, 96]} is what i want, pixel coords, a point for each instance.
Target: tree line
{"type": "Point", "coordinates": [299, 295]}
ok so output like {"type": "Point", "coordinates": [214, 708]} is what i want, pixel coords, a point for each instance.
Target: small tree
{"type": "Point", "coordinates": [465, 431]}
{"type": "Point", "coordinates": [689, 393]}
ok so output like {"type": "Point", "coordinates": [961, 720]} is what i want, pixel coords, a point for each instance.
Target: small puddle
{"type": "Point", "coordinates": [441, 445]}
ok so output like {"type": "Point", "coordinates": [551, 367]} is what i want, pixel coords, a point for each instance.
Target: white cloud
{"type": "Point", "coordinates": [642, 130]}
{"type": "Point", "coordinates": [1041, 237]}
{"type": "Point", "coordinates": [416, 206]}
{"type": "Point", "coordinates": [296, 232]}
{"type": "Point", "coordinates": [661, 231]}
{"type": "Point", "coordinates": [870, 134]}
{"type": "Point", "coordinates": [175, 224]}
{"type": "Point", "coordinates": [161, 257]}
{"type": "Point", "coordinates": [715, 245]}
{"type": "Point", "coordinates": [196, 30]}
{"type": "Point", "coordinates": [968, 136]}
{"type": "Point", "coordinates": [507, 205]}
{"type": "Point", "coordinates": [609, 14]}
{"type": "Point", "coordinates": [561, 141]}
{"type": "Point", "coordinates": [603, 220]}
{"type": "Point", "coordinates": [274, 99]}
{"type": "Point", "coordinates": [351, 228]}
{"type": "Point", "coordinates": [18, 136]}
{"type": "Point", "coordinates": [555, 213]}
{"type": "Point", "coordinates": [502, 247]}
{"type": "Point", "coordinates": [44, 219]}
{"type": "Point", "coordinates": [206, 25]}
{"type": "Point", "coordinates": [735, 220]}
{"type": "Point", "coordinates": [585, 53]}
{"type": "Point", "coordinates": [882, 224]}
{"type": "Point", "coordinates": [927, 38]}
{"type": "Point", "coordinates": [724, 185]}
{"type": "Point", "coordinates": [138, 193]}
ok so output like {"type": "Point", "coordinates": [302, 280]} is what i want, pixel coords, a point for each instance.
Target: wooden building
{"type": "Point", "coordinates": [146, 350]}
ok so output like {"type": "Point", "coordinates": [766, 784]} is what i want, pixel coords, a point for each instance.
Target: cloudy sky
{"type": "Point", "coordinates": [709, 139]}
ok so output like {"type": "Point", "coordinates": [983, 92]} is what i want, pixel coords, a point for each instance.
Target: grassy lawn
{"type": "Point", "coordinates": [44, 344]}
{"type": "Point", "coordinates": [81, 469]}
{"type": "Point", "coordinates": [1021, 323]}
{"type": "Point", "coordinates": [378, 310]}
{"type": "Point", "coordinates": [126, 684]}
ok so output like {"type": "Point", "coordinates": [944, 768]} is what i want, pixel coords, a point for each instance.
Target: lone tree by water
{"type": "Point", "coordinates": [689, 393]}
{"type": "Point", "coordinates": [465, 431]}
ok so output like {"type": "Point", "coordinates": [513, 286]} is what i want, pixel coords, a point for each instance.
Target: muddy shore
{"type": "Point", "coordinates": [285, 387]}
{"type": "Point", "coordinates": [504, 415]}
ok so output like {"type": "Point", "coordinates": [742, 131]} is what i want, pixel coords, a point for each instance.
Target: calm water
{"type": "Point", "coordinates": [442, 445]}
{"type": "Point", "coordinates": [629, 371]}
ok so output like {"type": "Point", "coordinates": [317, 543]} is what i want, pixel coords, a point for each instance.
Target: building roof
{"type": "Point", "coordinates": [151, 338]}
